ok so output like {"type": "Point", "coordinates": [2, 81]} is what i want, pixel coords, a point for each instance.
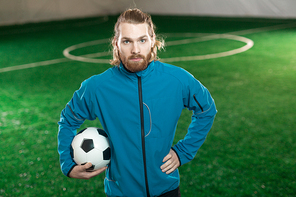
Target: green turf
{"type": "Point", "coordinates": [249, 151]}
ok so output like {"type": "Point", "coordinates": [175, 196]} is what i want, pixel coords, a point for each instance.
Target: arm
{"type": "Point", "coordinates": [198, 99]}
{"type": "Point", "coordinates": [72, 117]}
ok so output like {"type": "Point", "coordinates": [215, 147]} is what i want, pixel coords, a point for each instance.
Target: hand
{"type": "Point", "coordinates": [80, 172]}
{"type": "Point", "coordinates": [171, 162]}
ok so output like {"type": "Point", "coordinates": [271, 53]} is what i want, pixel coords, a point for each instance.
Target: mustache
{"type": "Point", "coordinates": [136, 56]}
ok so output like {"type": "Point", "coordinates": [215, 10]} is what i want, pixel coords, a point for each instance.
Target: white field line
{"type": "Point", "coordinates": [85, 58]}
{"type": "Point", "coordinates": [262, 29]}
{"type": "Point", "coordinates": [206, 37]}
{"type": "Point", "coordinates": [33, 65]}
{"type": "Point", "coordinates": [55, 61]}
{"type": "Point", "coordinates": [249, 44]}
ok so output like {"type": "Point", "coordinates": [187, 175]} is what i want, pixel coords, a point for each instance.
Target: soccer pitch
{"type": "Point", "coordinates": [248, 65]}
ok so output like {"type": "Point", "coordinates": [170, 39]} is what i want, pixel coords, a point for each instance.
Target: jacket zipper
{"type": "Point", "coordinates": [143, 132]}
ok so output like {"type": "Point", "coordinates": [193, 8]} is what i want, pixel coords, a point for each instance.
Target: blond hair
{"type": "Point", "coordinates": [135, 16]}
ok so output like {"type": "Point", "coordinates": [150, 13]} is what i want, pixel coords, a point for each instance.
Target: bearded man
{"type": "Point", "coordinates": [138, 102]}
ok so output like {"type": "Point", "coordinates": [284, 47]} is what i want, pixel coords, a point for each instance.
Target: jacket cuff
{"type": "Point", "coordinates": [71, 170]}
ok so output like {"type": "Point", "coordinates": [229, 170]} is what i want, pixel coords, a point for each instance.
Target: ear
{"type": "Point", "coordinates": [152, 40]}
{"type": "Point", "coordinates": [114, 42]}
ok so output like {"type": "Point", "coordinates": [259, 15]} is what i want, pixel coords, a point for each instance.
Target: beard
{"type": "Point", "coordinates": [135, 66]}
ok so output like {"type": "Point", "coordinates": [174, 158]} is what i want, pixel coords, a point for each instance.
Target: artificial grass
{"type": "Point", "coordinates": [248, 152]}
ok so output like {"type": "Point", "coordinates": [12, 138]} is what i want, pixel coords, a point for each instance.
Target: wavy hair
{"type": "Point", "coordinates": [135, 16]}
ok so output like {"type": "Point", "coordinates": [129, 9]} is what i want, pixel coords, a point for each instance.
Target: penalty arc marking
{"type": "Point", "coordinates": [204, 37]}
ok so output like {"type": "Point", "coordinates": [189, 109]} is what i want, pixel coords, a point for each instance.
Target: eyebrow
{"type": "Point", "coordinates": [128, 38]}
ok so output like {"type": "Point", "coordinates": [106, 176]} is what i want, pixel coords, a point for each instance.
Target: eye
{"type": "Point", "coordinates": [126, 42]}
{"type": "Point", "coordinates": [143, 40]}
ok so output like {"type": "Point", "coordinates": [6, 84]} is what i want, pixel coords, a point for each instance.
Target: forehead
{"type": "Point", "coordinates": [129, 30]}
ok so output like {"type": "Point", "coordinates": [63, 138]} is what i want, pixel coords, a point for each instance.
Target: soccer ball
{"type": "Point", "coordinates": [91, 145]}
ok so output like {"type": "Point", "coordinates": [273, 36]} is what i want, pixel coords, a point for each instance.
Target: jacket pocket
{"type": "Point", "coordinates": [201, 108]}
{"type": "Point", "coordinates": [111, 187]}
{"type": "Point", "coordinates": [161, 116]}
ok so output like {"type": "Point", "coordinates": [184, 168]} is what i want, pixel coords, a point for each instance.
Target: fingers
{"type": "Point", "coordinates": [167, 157]}
{"type": "Point", "coordinates": [87, 166]}
{"type": "Point", "coordinates": [96, 172]}
{"type": "Point", "coordinates": [169, 167]}
{"type": "Point", "coordinates": [82, 172]}
{"type": "Point", "coordinates": [171, 162]}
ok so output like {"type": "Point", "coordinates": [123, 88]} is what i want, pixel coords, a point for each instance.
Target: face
{"type": "Point", "coordinates": [134, 45]}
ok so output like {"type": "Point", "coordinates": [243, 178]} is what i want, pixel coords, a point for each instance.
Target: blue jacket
{"type": "Point", "coordinates": [139, 112]}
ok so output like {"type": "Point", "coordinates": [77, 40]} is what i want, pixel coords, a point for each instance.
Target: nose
{"type": "Point", "coordinates": [136, 48]}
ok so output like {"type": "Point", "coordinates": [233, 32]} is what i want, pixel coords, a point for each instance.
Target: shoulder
{"type": "Point", "coordinates": [98, 79]}
{"type": "Point", "coordinates": [184, 78]}
{"type": "Point", "coordinates": [173, 71]}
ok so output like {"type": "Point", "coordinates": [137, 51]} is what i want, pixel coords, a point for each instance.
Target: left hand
{"type": "Point", "coordinates": [171, 162]}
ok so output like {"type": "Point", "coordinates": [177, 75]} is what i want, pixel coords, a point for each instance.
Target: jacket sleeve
{"type": "Point", "coordinates": [72, 117]}
{"type": "Point", "coordinates": [197, 98]}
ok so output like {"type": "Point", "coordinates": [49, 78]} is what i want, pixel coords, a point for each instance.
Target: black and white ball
{"type": "Point", "coordinates": [91, 145]}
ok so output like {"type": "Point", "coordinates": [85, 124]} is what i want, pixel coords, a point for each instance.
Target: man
{"type": "Point", "coordinates": [138, 102]}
